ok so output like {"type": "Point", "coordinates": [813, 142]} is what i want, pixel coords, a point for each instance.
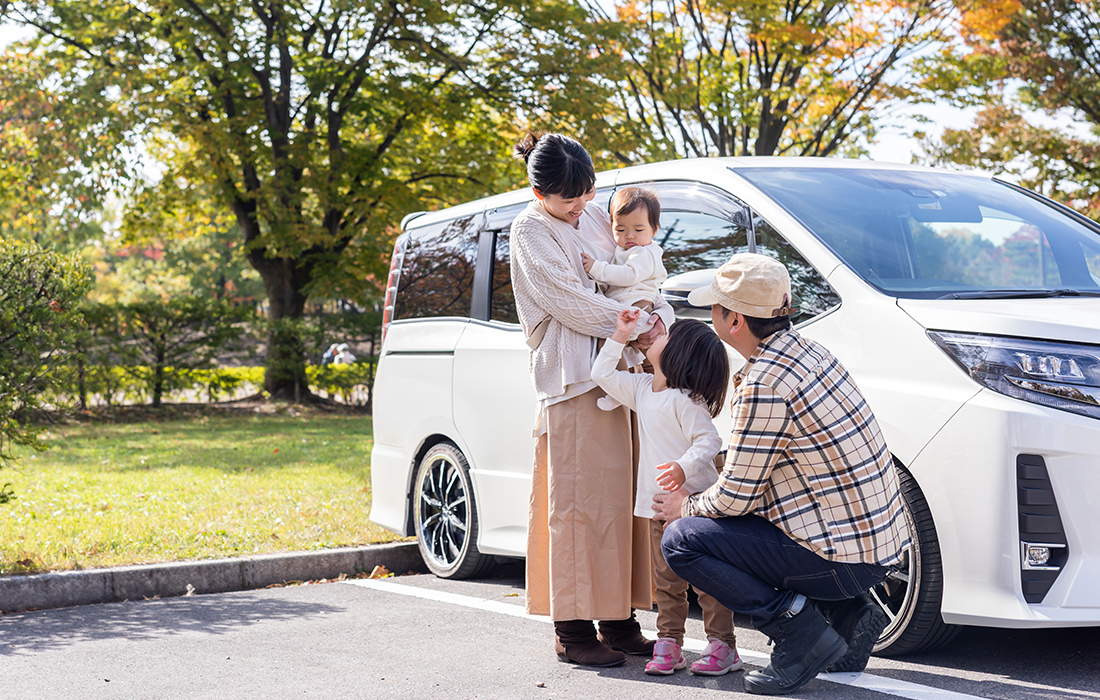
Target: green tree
{"type": "Point", "coordinates": [39, 294]}
{"type": "Point", "coordinates": [790, 77]}
{"type": "Point", "coordinates": [1045, 56]}
{"type": "Point", "coordinates": [176, 239]}
{"type": "Point", "coordinates": [314, 124]}
{"type": "Point", "coordinates": [53, 177]}
{"type": "Point", "coordinates": [1002, 139]}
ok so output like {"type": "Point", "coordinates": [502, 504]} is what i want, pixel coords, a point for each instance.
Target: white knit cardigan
{"type": "Point", "coordinates": [548, 280]}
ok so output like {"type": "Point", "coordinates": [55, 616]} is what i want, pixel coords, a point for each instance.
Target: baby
{"type": "Point", "coordinates": [635, 274]}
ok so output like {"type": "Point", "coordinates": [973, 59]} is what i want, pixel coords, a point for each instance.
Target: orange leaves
{"type": "Point", "coordinates": [629, 11]}
{"type": "Point", "coordinates": [986, 18]}
{"type": "Point", "coordinates": [380, 571]}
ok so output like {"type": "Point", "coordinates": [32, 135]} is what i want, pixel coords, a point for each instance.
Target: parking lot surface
{"type": "Point", "coordinates": [413, 637]}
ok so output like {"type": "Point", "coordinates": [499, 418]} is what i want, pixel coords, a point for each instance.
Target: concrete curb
{"type": "Point", "coordinates": [69, 588]}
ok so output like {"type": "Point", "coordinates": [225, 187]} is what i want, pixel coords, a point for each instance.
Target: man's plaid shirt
{"type": "Point", "coordinates": [807, 454]}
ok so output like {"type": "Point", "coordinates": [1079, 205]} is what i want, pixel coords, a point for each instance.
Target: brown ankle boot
{"type": "Point", "coordinates": [626, 635]}
{"type": "Point", "coordinates": [575, 640]}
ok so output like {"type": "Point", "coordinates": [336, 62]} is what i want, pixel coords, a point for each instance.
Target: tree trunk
{"type": "Point", "coordinates": [284, 280]}
{"type": "Point", "coordinates": [373, 360]}
{"type": "Point", "coordinates": [158, 377]}
{"type": "Point", "coordinates": [81, 383]}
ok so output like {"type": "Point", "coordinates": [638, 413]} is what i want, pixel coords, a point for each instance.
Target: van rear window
{"type": "Point", "coordinates": [437, 271]}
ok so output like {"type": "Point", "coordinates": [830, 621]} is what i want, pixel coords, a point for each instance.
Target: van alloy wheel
{"type": "Point", "coordinates": [446, 516]}
{"type": "Point", "coordinates": [912, 592]}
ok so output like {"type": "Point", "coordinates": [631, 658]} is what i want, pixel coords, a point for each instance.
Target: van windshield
{"type": "Point", "coordinates": [932, 235]}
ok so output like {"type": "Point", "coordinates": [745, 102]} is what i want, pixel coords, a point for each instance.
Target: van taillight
{"type": "Point", "coordinates": [391, 284]}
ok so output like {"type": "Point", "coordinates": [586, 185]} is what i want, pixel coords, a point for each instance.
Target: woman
{"type": "Point", "coordinates": [587, 557]}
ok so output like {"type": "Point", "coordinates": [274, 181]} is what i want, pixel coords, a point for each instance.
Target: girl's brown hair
{"type": "Point", "coordinates": [628, 199]}
{"type": "Point", "coordinates": [694, 359]}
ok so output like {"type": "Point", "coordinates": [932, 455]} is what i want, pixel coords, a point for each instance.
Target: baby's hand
{"type": "Point", "coordinates": [672, 478]}
{"type": "Point", "coordinates": [587, 260]}
{"type": "Point", "coordinates": [624, 325]}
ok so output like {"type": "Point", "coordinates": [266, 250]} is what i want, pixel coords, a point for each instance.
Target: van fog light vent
{"type": "Point", "coordinates": [1039, 556]}
{"type": "Point", "coordinates": [1043, 546]}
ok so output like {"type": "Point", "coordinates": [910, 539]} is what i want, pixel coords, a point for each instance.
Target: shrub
{"type": "Point", "coordinates": [40, 291]}
{"type": "Point", "coordinates": [350, 382]}
{"type": "Point", "coordinates": [158, 343]}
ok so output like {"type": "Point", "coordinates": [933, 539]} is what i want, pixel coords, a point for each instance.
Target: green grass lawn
{"type": "Point", "coordinates": [108, 494]}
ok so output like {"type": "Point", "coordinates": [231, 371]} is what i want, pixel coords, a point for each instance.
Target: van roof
{"type": "Point", "coordinates": [699, 169]}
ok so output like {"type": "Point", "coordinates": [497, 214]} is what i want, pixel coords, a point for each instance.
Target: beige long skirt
{"type": "Point", "coordinates": [587, 554]}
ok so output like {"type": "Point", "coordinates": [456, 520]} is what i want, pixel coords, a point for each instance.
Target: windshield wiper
{"type": "Point", "coordinates": [1020, 294]}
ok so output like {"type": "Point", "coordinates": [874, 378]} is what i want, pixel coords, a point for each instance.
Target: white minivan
{"type": "Point", "coordinates": [966, 308]}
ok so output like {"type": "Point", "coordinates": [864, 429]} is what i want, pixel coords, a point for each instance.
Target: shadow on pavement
{"type": "Point", "coordinates": [50, 630]}
{"type": "Point", "coordinates": [1049, 663]}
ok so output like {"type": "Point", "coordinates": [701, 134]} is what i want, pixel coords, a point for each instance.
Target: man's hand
{"type": "Point", "coordinates": [646, 339]}
{"type": "Point", "coordinates": [668, 505]}
{"type": "Point", "coordinates": [587, 261]}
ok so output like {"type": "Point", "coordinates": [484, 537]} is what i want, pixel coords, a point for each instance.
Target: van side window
{"type": "Point", "coordinates": [437, 272]}
{"type": "Point", "coordinates": [701, 226]}
{"type": "Point", "coordinates": [502, 303]}
{"type": "Point", "coordinates": [693, 241]}
{"type": "Point", "coordinates": [811, 290]}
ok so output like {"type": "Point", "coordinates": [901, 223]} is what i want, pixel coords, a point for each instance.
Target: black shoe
{"type": "Point", "coordinates": [626, 635]}
{"type": "Point", "coordinates": [575, 641]}
{"type": "Point", "coordinates": [805, 645]}
{"type": "Point", "coordinates": [861, 622]}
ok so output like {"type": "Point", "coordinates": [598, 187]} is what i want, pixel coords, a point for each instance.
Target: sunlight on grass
{"type": "Point", "coordinates": [213, 486]}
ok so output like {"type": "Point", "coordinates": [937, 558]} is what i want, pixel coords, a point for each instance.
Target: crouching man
{"type": "Point", "coordinates": [806, 516]}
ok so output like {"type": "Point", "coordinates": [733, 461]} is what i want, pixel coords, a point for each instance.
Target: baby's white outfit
{"type": "Point", "coordinates": [673, 427]}
{"type": "Point", "coordinates": [633, 277]}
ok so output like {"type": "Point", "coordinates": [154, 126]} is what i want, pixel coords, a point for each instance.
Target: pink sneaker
{"type": "Point", "coordinates": [718, 658]}
{"type": "Point", "coordinates": [667, 658]}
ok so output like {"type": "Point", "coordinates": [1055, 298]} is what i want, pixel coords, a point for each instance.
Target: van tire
{"type": "Point", "coordinates": [445, 515]}
{"type": "Point", "coordinates": [912, 595]}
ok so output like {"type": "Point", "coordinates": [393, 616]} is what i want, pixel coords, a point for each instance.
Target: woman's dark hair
{"type": "Point", "coordinates": [557, 164]}
{"type": "Point", "coordinates": [695, 360]}
{"type": "Point", "coordinates": [628, 199]}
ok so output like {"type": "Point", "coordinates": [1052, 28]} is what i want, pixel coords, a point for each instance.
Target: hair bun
{"type": "Point", "coordinates": [526, 145]}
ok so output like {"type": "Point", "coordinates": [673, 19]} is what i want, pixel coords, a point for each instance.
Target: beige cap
{"type": "Point", "coordinates": [750, 284]}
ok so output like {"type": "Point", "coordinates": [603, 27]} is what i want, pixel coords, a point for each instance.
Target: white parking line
{"type": "Point", "coordinates": [879, 684]}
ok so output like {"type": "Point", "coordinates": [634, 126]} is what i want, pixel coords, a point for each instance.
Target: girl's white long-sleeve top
{"type": "Point", "coordinates": [672, 428]}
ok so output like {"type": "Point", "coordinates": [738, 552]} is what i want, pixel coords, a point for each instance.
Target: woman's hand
{"type": "Point", "coordinates": [646, 339]}
{"type": "Point", "coordinates": [625, 323]}
{"type": "Point", "coordinates": [587, 261]}
{"type": "Point", "coordinates": [672, 476]}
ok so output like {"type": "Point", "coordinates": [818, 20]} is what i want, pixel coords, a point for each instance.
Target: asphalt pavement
{"type": "Point", "coordinates": [418, 636]}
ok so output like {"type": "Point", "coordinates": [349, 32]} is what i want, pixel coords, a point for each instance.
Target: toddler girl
{"type": "Point", "coordinates": [677, 446]}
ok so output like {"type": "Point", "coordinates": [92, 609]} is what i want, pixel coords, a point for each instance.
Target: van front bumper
{"type": "Point", "coordinates": [968, 474]}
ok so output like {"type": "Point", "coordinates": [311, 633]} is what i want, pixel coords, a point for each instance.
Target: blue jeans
{"type": "Point", "coordinates": [752, 567]}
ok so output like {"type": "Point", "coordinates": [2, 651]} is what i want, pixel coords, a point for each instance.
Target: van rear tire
{"type": "Point", "coordinates": [445, 515]}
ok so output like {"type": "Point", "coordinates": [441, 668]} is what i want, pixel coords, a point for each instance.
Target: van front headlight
{"type": "Point", "coordinates": [1065, 376]}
